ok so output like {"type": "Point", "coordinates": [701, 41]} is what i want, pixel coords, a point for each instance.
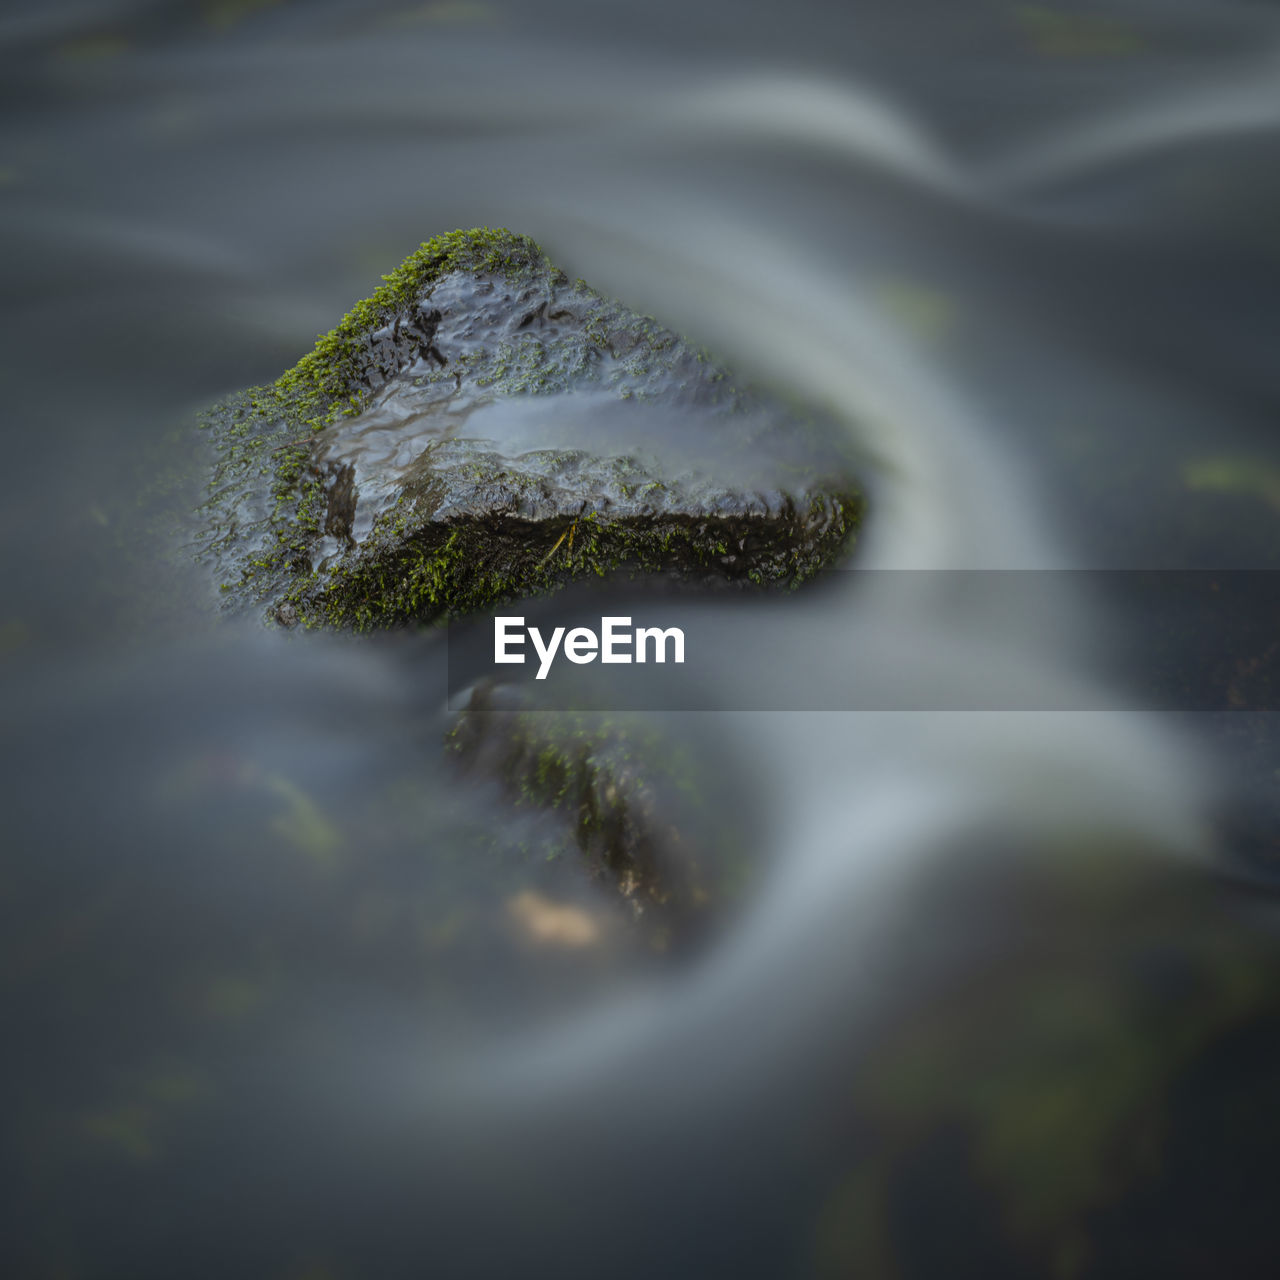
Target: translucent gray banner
{"type": "Point", "coordinates": [882, 640]}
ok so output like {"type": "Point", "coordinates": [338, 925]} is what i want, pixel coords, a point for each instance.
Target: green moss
{"type": "Point", "coordinates": [322, 383]}
{"type": "Point", "coordinates": [444, 571]}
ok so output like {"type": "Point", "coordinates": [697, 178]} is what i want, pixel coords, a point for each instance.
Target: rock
{"type": "Point", "coordinates": [643, 813]}
{"type": "Point", "coordinates": [483, 428]}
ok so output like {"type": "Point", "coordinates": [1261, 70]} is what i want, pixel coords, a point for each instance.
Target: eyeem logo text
{"type": "Point", "coordinates": [615, 642]}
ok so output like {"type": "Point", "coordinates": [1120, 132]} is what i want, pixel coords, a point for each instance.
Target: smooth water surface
{"type": "Point", "coordinates": [285, 997]}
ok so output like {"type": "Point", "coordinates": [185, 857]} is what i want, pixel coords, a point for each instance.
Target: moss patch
{"type": "Point", "coordinates": [325, 381]}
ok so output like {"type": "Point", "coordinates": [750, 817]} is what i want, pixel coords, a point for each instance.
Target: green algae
{"type": "Point", "coordinates": [1249, 477]}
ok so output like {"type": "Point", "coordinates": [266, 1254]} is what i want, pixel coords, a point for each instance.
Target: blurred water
{"type": "Point", "coordinates": [264, 1013]}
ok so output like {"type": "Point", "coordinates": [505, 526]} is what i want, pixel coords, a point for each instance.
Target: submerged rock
{"type": "Point", "coordinates": [638, 809]}
{"type": "Point", "coordinates": [483, 428]}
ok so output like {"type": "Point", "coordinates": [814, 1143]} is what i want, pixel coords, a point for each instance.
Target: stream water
{"type": "Point", "coordinates": [284, 997]}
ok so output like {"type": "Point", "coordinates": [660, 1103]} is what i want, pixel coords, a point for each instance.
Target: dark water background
{"type": "Point", "coordinates": [1000, 999]}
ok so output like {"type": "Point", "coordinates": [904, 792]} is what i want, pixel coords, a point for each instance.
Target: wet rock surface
{"type": "Point", "coordinates": [482, 429]}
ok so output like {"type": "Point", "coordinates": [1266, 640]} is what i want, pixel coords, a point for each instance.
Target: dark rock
{"type": "Point", "coordinates": [483, 429]}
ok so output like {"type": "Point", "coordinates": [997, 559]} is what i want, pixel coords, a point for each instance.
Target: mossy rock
{"type": "Point", "coordinates": [482, 428]}
{"type": "Point", "coordinates": [640, 811]}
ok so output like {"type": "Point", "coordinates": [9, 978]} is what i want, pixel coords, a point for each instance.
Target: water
{"type": "Point", "coordinates": [1001, 989]}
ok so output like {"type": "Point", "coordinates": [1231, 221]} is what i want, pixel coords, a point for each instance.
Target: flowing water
{"type": "Point", "coordinates": [997, 997]}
